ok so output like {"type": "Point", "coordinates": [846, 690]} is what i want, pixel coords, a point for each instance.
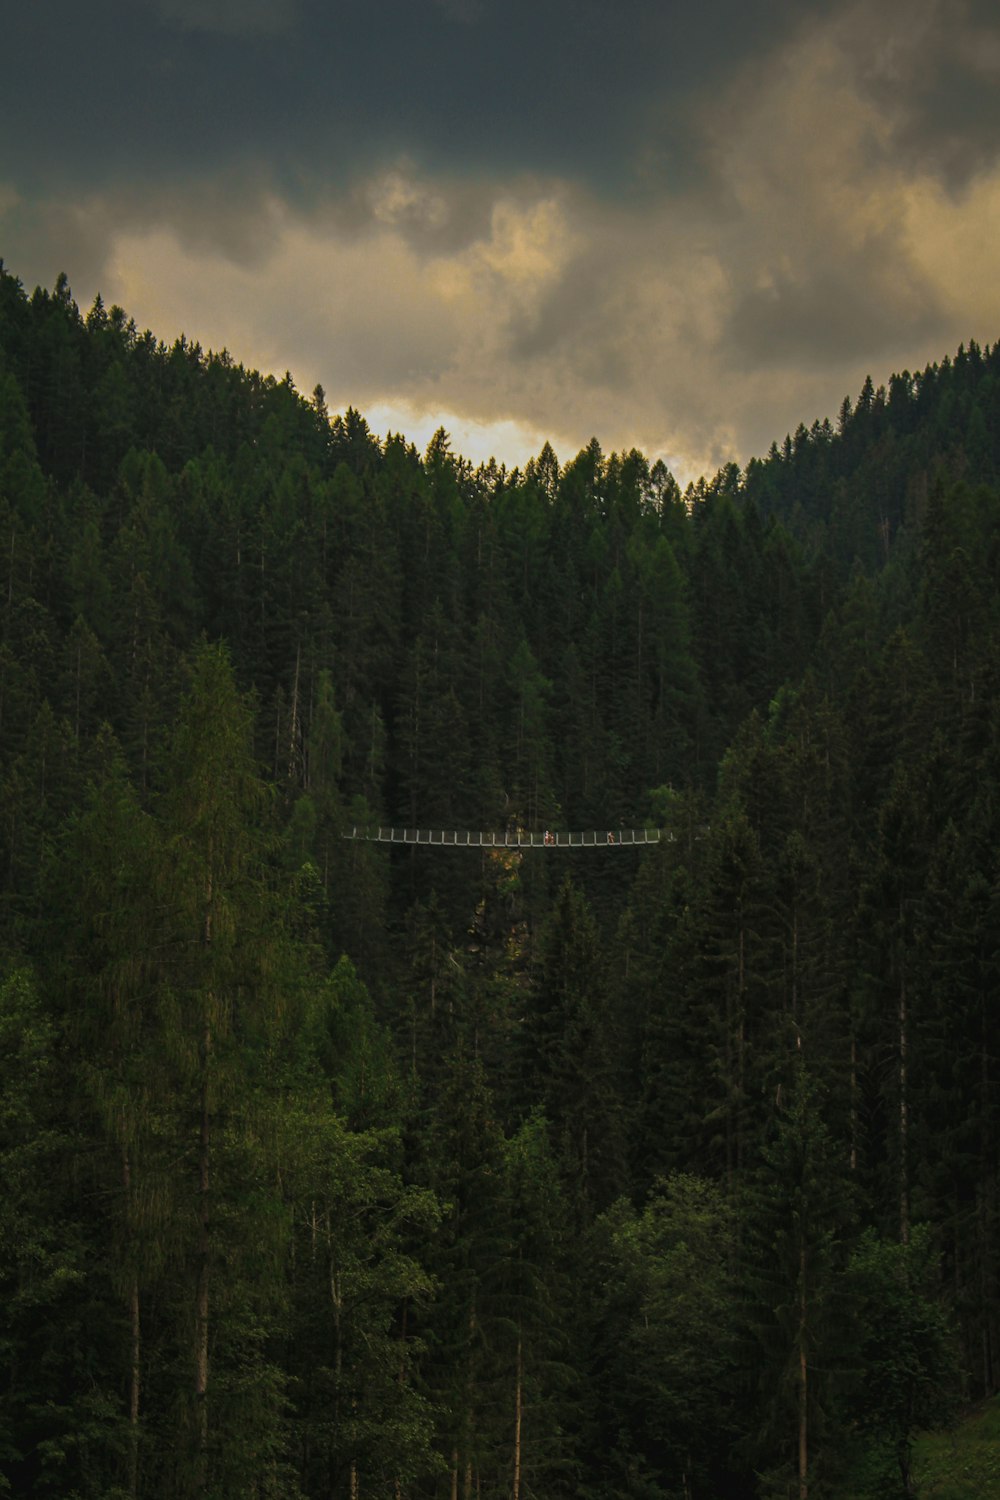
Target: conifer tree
{"type": "Point", "coordinates": [796, 1215]}
{"type": "Point", "coordinates": [665, 1342]}
{"type": "Point", "coordinates": [229, 986]}
{"type": "Point", "coordinates": [573, 1056]}
{"type": "Point", "coordinates": [105, 879]}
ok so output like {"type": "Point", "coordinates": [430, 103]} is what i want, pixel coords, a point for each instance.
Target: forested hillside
{"type": "Point", "coordinates": [335, 1170]}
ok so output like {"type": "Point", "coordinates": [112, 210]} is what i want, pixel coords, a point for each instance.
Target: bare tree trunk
{"type": "Point", "coordinates": [202, 1299]}
{"type": "Point", "coordinates": [134, 1390]}
{"type": "Point", "coordinates": [204, 1238]}
{"type": "Point", "coordinates": [986, 1208]}
{"type": "Point", "coordinates": [516, 1488]}
{"type": "Point", "coordinates": [803, 1383]}
{"type": "Point", "coordinates": [135, 1351]}
{"type": "Point", "coordinates": [983, 1254]}
{"type": "Point", "coordinates": [906, 1474]}
{"type": "Point", "coordinates": [741, 1048]}
{"type": "Point", "coordinates": [10, 570]}
{"type": "Point", "coordinates": [337, 1302]}
{"type": "Point", "coordinates": [730, 1087]}
{"type": "Point", "coordinates": [468, 1424]}
{"type": "Point", "coordinates": [854, 1102]}
{"type": "Point", "coordinates": [904, 1119]}
{"type": "Point", "coordinates": [293, 726]}
{"type": "Point", "coordinates": [79, 692]}
{"type": "Point", "coordinates": [795, 981]}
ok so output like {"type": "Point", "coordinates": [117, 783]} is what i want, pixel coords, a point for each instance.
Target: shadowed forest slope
{"type": "Point", "coordinates": [339, 1170]}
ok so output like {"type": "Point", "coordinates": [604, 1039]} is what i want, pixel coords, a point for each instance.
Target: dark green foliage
{"type": "Point", "coordinates": [665, 1342]}
{"type": "Point", "coordinates": [333, 1169]}
{"type": "Point", "coordinates": [573, 1066]}
{"type": "Point", "coordinates": [797, 1214]}
{"type": "Point", "coordinates": [60, 1415]}
{"type": "Point", "coordinates": [907, 1375]}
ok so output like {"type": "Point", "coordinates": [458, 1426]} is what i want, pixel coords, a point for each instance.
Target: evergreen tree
{"type": "Point", "coordinates": [905, 1354]}
{"type": "Point", "coordinates": [573, 1057]}
{"type": "Point", "coordinates": [797, 1213]}
{"type": "Point", "coordinates": [666, 1342]}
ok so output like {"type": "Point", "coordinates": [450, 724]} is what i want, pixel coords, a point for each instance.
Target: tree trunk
{"type": "Point", "coordinates": [134, 1390]}
{"type": "Point", "coordinates": [905, 1472]}
{"type": "Point", "coordinates": [983, 1254]}
{"type": "Point", "coordinates": [294, 733]}
{"type": "Point", "coordinates": [516, 1488]}
{"type": "Point", "coordinates": [202, 1299]}
{"type": "Point", "coordinates": [904, 1119]}
{"type": "Point", "coordinates": [986, 1205]}
{"type": "Point", "coordinates": [854, 1103]}
{"type": "Point", "coordinates": [135, 1351]}
{"type": "Point", "coordinates": [803, 1383]}
{"type": "Point", "coordinates": [740, 1049]}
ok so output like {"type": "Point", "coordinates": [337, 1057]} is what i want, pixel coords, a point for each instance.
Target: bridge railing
{"type": "Point", "coordinates": [509, 839]}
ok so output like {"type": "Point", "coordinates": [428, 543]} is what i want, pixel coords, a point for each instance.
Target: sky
{"type": "Point", "coordinates": [684, 226]}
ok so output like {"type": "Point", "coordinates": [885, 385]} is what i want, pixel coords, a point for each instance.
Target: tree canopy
{"type": "Point", "coordinates": [336, 1169]}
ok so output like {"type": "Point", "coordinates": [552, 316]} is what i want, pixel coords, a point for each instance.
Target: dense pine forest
{"type": "Point", "coordinates": [332, 1169]}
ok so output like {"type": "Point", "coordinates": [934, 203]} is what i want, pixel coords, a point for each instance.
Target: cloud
{"type": "Point", "coordinates": [932, 69]}
{"type": "Point", "coordinates": [263, 18]}
{"type": "Point", "coordinates": [398, 198]}
{"type": "Point", "coordinates": [465, 11]}
{"type": "Point", "coordinates": [814, 228]}
{"type": "Point", "coordinates": [115, 91]}
{"type": "Point", "coordinates": [479, 334]}
{"type": "Point", "coordinates": [624, 234]}
{"type": "Point", "coordinates": [955, 246]}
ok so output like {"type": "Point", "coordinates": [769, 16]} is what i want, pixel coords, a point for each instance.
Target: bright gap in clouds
{"type": "Point", "coordinates": [510, 443]}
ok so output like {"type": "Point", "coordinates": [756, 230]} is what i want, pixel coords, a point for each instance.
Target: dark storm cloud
{"type": "Point", "coordinates": [230, 17]}
{"type": "Point", "coordinates": [684, 226]}
{"type": "Point", "coordinates": [93, 94]}
{"type": "Point", "coordinates": [936, 75]}
{"type": "Point", "coordinates": [826, 310]}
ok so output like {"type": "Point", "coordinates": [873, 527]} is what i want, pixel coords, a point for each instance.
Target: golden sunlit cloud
{"type": "Point", "coordinates": [956, 247]}
{"type": "Point", "coordinates": [509, 443]}
{"type": "Point", "coordinates": [698, 326]}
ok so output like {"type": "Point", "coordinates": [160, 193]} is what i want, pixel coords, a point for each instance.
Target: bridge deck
{"type": "Point", "coordinates": [464, 838]}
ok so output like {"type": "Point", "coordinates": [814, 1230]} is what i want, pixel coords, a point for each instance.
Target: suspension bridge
{"type": "Point", "coordinates": [465, 838]}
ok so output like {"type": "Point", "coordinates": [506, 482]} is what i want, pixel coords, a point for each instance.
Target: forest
{"type": "Point", "coordinates": [336, 1169]}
